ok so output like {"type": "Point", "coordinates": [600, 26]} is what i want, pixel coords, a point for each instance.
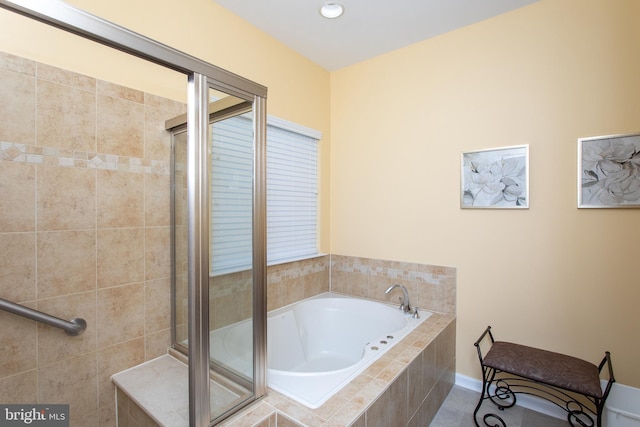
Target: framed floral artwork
{"type": "Point", "coordinates": [495, 178]}
{"type": "Point", "coordinates": [609, 171]}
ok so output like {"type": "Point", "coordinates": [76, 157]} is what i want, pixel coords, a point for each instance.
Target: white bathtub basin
{"type": "Point", "coordinates": [316, 346]}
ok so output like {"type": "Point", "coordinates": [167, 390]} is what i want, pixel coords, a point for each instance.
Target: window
{"type": "Point", "coordinates": [292, 193]}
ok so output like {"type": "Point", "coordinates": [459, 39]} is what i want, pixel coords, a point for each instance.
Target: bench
{"type": "Point", "coordinates": [570, 383]}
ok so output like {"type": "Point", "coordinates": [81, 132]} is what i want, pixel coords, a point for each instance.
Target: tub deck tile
{"type": "Point", "coordinates": [378, 366]}
{"type": "Point", "coordinates": [392, 371]}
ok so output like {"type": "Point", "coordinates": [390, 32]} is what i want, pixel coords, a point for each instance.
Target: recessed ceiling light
{"type": "Point", "coordinates": [331, 10]}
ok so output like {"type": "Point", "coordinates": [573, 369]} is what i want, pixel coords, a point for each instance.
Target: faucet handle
{"type": "Point", "coordinates": [415, 312]}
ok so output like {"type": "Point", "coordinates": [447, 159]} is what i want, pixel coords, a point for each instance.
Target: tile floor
{"type": "Point", "coordinates": [457, 411]}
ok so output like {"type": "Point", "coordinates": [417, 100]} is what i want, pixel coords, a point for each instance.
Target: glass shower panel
{"type": "Point", "coordinates": [231, 175]}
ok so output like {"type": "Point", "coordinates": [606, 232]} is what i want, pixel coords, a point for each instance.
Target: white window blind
{"type": "Point", "coordinates": [292, 186]}
{"type": "Point", "coordinates": [232, 195]}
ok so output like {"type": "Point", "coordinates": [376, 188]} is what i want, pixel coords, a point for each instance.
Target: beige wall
{"type": "Point", "coordinates": [551, 276]}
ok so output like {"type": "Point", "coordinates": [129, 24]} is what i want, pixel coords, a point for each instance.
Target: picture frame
{"type": "Point", "coordinates": [495, 178]}
{"type": "Point", "coordinates": [609, 171]}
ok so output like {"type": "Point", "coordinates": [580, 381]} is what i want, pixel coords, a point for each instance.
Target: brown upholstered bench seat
{"type": "Point", "coordinates": [572, 384]}
{"type": "Point", "coordinates": [559, 370]}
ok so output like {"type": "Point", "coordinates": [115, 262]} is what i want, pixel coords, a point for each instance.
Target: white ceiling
{"type": "Point", "coordinates": [367, 28]}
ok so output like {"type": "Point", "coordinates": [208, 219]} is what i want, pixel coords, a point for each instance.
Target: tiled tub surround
{"type": "Point", "coordinates": [231, 294]}
{"type": "Point", "coordinates": [405, 387]}
{"type": "Point", "coordinates": [84, 231]}
{"type": "Point", "coordinates": [431, 287]}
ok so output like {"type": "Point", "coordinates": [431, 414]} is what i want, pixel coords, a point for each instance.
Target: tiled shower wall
{"type": "Point", "coordinates": [84, 232]}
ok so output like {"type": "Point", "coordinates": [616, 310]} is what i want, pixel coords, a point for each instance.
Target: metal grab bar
{"type": "Point", "coordinates": [73, 327]}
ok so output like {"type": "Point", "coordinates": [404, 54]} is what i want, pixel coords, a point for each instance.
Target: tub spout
{"type": "Point", "coordinates": [405, 306]}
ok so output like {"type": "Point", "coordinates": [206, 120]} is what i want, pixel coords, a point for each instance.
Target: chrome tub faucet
{"type": "Point", "coordinates": [405, 305]}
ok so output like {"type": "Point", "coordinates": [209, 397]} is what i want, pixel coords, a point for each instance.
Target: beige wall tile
{"type": "Point", "coordinates": [429, 366]}
{"type": "Point", "coordinates": [316, 283]}
{"type": "Point", "coordinates": [378, 413]}
{"type": "Point", "coordinates": [293, 291]}
{"type": "Point", "coordinates": [290, 282]}
{"type": "Point", "coordinates": [120, 199]}
{"type": "Point", "coordinates": [114, 359]}
{"type": "Point", "coordinates": [66, 198]}
{"type": "Point", "coordinates": [66, 78]}
{"type": "Point", "coordinates": [120, 127]}
{"type": "Point", "coordinates": [19, 388]}
{"type": "Point", "coordinates": [171, 106]}
{"type": "Point", "coordinates": [66, 262]}
{"type": "Point", "coordinates": [18, 266]}
{"type": "Point", "coordinates": [71, 380]}
{"type": "Point", "coordinates": [157, 252]}
{"type": "Point", "coordinates": [18, 64]}
{"type": "Point", "coordinates": [398, 407]}
{"type": "Point", "coordinates": [18, 201]}
{"type": "Point", "coordinates": [181, 307]}
{"type": "Point", "coordinates": [445, 348]}
{"type": "Point", "coordinates": [18, 344]}
{"type": "Point", "coordinates": [275, 295]}
{"type": "Point", "coordinates": [157, 206]}
{"type": "Point", "coordinates": [120, 256]}
{"type": "Point", "coordinates": [431, 288]}
{"type": "Point", "coordinates": [54, 344]}
{"type": "Point", "coordinates": [230, 308]}
{"type": "Point", "coordinates": [18, 111]}
{"type": "Point", "coordinates": [432, 297]}
{"type": "Point", "coordinates": [157, 343]}
{"type": "Point", "coordinates": [120, 314]}
{"type": "Point", "coordinates": [107, 416]}
{"type": "Point", "coordinates": [157, 140]}
{"type": "Point", "coordinates": [117, 91]}
{"type": "Point", "coordinates": [66, 117]}
{"type": "Point", "coordinates": [416, 384]}
{"type": "Point", "coordinates": [89, 420]}
{"type": "Point", "coordinates": [157, 305]}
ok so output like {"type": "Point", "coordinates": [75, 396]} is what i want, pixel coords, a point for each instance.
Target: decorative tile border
{"type": "Point", "coordinates": [397, 270]}
{"type": "Point", "coordinates": [23, 153]}
{"type": "Point", "coordinates": [297, 269]}
{"type": "Point", "coordinates": [431, 287]}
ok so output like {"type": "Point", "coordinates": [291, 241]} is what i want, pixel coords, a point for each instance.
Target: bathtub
{"type": "Point", "coordinates": [317, 346]}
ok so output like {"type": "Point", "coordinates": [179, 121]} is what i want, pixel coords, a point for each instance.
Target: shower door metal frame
{"type": "Point", "coordinates": [201, 77]}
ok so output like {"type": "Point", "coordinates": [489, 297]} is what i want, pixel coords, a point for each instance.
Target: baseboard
{"type": "Point", "coordinates": [526, 401]}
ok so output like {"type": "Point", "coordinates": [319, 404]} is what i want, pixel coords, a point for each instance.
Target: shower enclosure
{"type": "Point", "coordinates": [216, 286]}
{"type": "Point", "coordinates": [233, 294]}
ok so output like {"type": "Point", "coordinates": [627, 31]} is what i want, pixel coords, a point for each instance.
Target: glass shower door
{"type": "Point", "coordinates": [231, 284]}
{"type": "Point", "coordinates": [230, 259]}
